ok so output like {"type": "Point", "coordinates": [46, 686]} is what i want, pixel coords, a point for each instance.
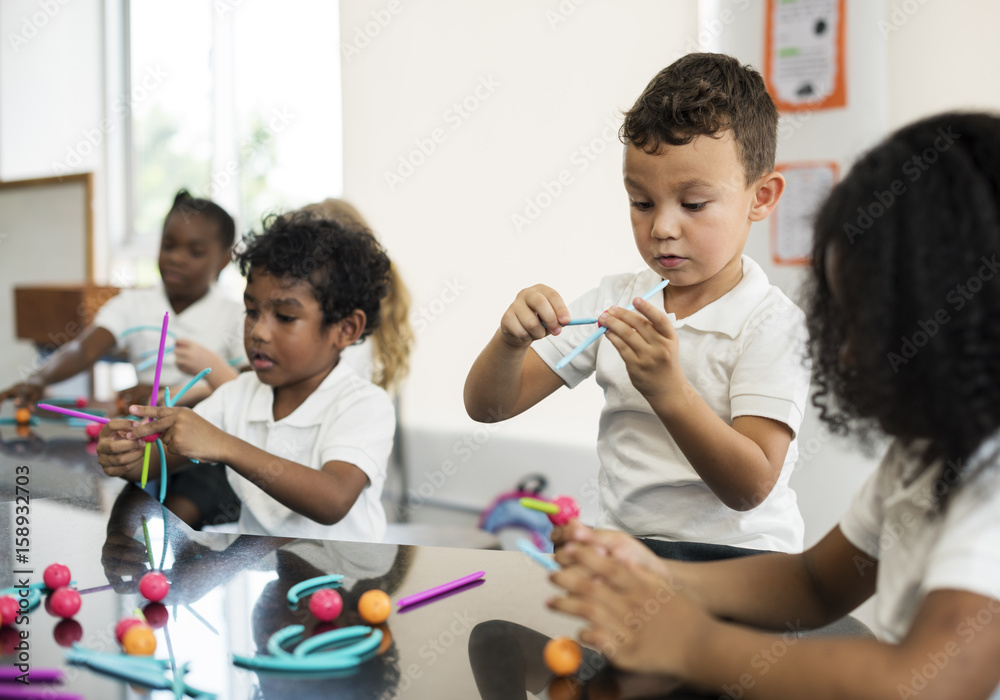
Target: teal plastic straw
{"type": "Point", "coordinates": [603, 329]}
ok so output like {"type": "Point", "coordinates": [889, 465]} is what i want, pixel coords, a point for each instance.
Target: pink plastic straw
{"type": "Point", "coordinates": [74, 414]}
{"type": "Point", "coordinates": [159, 360]}
{"type": "Point", "coordinates": [439, 590]}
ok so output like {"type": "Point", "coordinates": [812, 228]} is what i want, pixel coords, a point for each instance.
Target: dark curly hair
{"type": "Point", "coordinates": [702, 94]}
{"type": "Point", "coordinates": [187, 205]}
{"type": "Point", "coordinates": [340, 259]}
{"type": "Point", "coordinates": [904, 298]}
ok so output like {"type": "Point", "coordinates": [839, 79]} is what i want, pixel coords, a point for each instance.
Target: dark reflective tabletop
{"type": "Point", "coordinates": [228, 594]}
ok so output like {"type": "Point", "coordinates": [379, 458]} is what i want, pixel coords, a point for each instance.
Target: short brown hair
{"type": "Point", "coordinates": [702, 94]}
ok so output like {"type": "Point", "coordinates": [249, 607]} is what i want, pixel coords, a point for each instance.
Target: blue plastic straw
{"type": "Point", "coordinates": [136, 329]}
{"type": "Point", "coordinates": [603, 329]}
{"type": "Point", "coordinates": [194, 380]}
{"type": "Point", "coordinates": [581, 321]}
{"type": "Point", "coordinates": [540, 557]}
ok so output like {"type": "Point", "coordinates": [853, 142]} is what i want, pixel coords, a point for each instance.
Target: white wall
{"type": "Point", "coordinates": [52, 97]}
{"type": "Point", "coordinates": [552, 79]}
{"type": "Point", "coordinates": [942, 56]}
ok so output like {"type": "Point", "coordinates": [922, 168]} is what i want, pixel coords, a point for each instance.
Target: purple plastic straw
{"type": "Point", "coordinates": [35, 675]}
{"type": "Point", "coordinates": [438, 590]}
{"type": "Point", "coordinates": [159, 360]}
{"type": "Point", "coordinates": [9, 691]}
{"type": "Point", "coordinates": [74, 414]}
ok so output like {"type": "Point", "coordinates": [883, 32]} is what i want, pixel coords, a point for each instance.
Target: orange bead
{"type": "Point", "coordinates": [374, 606]}
{"type": "Point", "coordinates": [22, 416]}
{"type": "Point", "coordinates": [563, 656]}
{"type": "Point", "coordinates": [139, 641]}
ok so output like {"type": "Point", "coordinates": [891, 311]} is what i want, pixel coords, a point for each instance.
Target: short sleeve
{"type": "Point", "coordinates": [361, 434]}
{"type": "Point", "coordinates": [771, 376]}
{"type": "Point", "coordinates": [862, 524]}
{"type": "Point", "coordinates": [114, 316]}
{"type": "Point", "coordinates": [967, 554]}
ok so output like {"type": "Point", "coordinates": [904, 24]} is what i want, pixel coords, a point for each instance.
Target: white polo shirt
{"type": "Point", "coordinates": [745, 356]}
{"type": "Point", "coordinates": [347, 419]}
{"type": "Point", "coordinates": [920, 548]}
{"type": "Point", "coordinates": [214, 321]}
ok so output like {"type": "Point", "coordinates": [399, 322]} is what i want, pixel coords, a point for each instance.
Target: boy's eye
{"type": "Point", "coordinates": [641, 206]}
{"type": "Point", "coordinates": [285, 319]}
{"type": "Point", "coordinates": [252, 313]}
{"type": "Point", "coordinates": [695, 206]}
{"type": "Point", "coordinates": [197, 253]}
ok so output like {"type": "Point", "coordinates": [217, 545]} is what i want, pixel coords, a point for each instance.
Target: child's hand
{"type": "Point", "coordinates": [536, 312]}
{"type": "Point", "coordinates": [117, 453]}
{"type": "Point", "coordinates": [639, 620]}
{"type": "Point", "coordinates": [647, 342]}
{"type": "Point", "coordinates": [182, 431]}
{"type": "Point", "coordinates": [193, 358]}
{"type": "Point", "coordinates": [24, 393]}
{"type": "Point", "coordinates": [616, 544]}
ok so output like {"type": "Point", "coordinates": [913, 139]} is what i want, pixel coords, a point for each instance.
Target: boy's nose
{"type": "Point", "coordinates": [664, 227]}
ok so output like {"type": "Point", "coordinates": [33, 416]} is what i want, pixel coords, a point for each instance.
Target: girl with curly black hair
{"type": "Point", "coordinates": [903, 311]}
{"type": "Point", "coordinates": [305, 438]}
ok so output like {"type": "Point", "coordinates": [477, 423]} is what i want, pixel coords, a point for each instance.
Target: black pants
{"type": "Point", "coordinates": [697, 551]}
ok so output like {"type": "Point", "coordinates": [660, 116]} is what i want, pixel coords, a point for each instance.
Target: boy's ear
{"type": "Point", "coordinates": [769, 189]}
{"type": "Point", "coordinates": [349, 329]}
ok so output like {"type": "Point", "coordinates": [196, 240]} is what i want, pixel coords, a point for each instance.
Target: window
{"type": "Point", "coordinates": [239, 102]}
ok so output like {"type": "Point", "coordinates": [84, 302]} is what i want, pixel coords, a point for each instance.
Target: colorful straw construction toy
{"type": "Point", "coordinates": [152, 402]}
{"type": "Point", "coordinates": [439, 590]}
{"type": "Point", "coordinates": [347, 647]}
{"type": "Point", "coordinates": [602, 330]}
{"type": "Point", "coordinates": [560, 510]}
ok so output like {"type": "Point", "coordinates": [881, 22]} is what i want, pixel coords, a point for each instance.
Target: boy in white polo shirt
{"type": "Point", "coordinates": [306, 439]}
{"type": "Point", "coordinates": [706, 382]}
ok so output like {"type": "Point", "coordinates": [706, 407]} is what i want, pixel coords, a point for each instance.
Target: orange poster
{"type": "Point", "coordinates": [807, 185]}
{"type": "Point", "coordinates": [804, 54]}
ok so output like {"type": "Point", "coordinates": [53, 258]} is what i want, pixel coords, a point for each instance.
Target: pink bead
{"type": "Point", "coordinates": [326, 604]}
{"type": "Point", "coordinates": [154, 586]}
{"type": "Point", "coordinates": [67, 633]}
{"type": "Point", "coordinates": [8, 610]}
{"type": "Point", "coordinates": [56, 576]}
{"type": "Point", "coordinates": [152, 438]}
{"type": "Point", "coordinates": [81, 402]}
{"type": "Point", "coordinates": [124, 625]}
{"type": "Point", "coordinates": [568, 509]}
{"type": "Point", "coordinates": [64, 602]}
{"type": "Point", "coordinates": [156, 615]}
{"type": "Point", "coordinates": [93, 431]}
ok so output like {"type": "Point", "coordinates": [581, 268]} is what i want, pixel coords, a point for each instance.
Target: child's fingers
{"type": "Point", "coordinates": [594, 610]}
{"type": "Point", "coordinates": [531, 322]}
{"type": "Point", "coordinates": [157, 427]}
{"type": "Point", "coordinates": [117, 425]}
{"type": "Point", "coordinates": [151, 411]}
{"type": "Point", "coordinates": [657, 317]}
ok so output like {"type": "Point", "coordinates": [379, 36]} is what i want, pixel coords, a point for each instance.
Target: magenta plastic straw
{"type": "Point", "coordinates": [439, 590]}
{"type": "Point", "coordinates": [74, 414]}
{"type": "Point", "coordinates": [35, 675]}
{"type": "Point", "coordinates": [159, 360]}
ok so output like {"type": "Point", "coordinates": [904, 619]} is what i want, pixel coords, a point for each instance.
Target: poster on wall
{"type": "Point", "coordinates": [807, 185]}
{"type": "Point", "coordinates": [804, 54]}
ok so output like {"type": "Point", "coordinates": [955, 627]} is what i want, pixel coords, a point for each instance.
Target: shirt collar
{"type": "Point", "coordinates": [729, 313]}
{"type": "Point", "coordinates": [311, 412]}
